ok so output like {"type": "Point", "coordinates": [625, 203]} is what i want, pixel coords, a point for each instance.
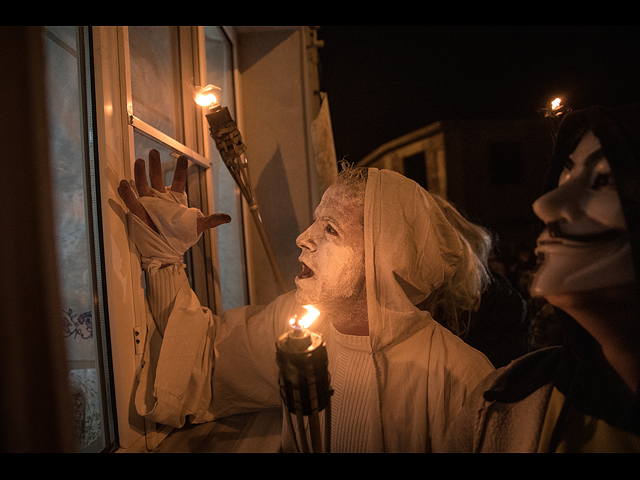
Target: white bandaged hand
{"type": "Point", "coordinates": [177, 225]}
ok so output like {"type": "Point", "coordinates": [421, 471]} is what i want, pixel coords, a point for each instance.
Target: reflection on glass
{"type": "Point", "coordinates": [226, 195]}
{"type": "Point", "coordinates": [155, 84]}
{"type": "Point", "coordinates": [73, 237]}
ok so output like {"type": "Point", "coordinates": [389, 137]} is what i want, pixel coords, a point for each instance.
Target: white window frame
{"type": "Point", "coordinates": [116, 123]}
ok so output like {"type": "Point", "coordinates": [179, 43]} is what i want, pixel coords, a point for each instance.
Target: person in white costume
{"type": "Point", "coordinates": [379, 245]}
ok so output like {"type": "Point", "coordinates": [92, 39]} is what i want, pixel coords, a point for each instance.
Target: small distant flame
{"type": "Point", "coordinates": [556, 104]}
{"type": "Point", "coordinates": [306, 320]}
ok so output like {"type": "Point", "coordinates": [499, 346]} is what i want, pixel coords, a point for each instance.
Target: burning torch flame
{"type": "Point", "coordinates": [206, 96]}
{"type": "Point", "coordinates": [306, 320]}
{"type": "Point", "coordinates": [555, 109]}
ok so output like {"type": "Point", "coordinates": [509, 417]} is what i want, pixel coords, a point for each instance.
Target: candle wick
{"type": "Point", "coordinates": [295, 323]}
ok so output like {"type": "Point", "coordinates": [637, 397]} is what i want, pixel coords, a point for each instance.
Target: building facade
{"type": "Point", "coordinates": [492, 170]}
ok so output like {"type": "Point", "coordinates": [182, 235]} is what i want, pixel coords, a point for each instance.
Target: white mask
{"type": "Point", "coordinates": [585, 246]}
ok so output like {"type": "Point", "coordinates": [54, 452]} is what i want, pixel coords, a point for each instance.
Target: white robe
{"type": "Point", "coordinates": [207, 366]}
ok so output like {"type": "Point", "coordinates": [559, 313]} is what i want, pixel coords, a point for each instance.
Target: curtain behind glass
{"type": "Point", "coordinates": [71, 203]}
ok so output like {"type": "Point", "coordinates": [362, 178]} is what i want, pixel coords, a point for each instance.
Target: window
{"type": "Point", "coordinates": [415, 168]}
{"type": "Point", "coordinates": [161, 67]}
{"type": "Point", "coordinates": [113, 94]}
{"type": "Point", "coordinates": [219, 69]}
{"type": "Point", "coordinates": [163, 73]}
{"type": "Point", "coordinates": [164, 117]}
{"type": "Point", "coordinates": [155, 78]}
{"type": "Point", "coordinates": [79, 246]}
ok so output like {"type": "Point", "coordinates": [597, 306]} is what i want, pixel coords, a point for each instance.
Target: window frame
{"type": "Point", "coordinates": [200, 270]}
{"type": "Point", "coordinates": [116, 125]}
{"type": "Point", "coordinates": [101, 325]}
{"type": "Point", "coordinates": [86, 159]}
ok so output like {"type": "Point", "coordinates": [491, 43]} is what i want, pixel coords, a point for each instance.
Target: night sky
{"type": "Point", "coordinates": [384, 82]}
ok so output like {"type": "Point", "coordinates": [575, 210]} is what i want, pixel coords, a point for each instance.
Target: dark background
{"type": "Point", "coordinates": [385, 81]}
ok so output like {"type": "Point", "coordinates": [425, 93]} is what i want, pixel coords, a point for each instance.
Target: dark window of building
{"type": "Point", "coordinates": [415, 168]}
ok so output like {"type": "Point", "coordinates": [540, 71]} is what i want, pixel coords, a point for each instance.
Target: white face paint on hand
{"type": "Point", "coordinates": [332, 257]}
{"type": "Point", "coordinates": [585, 246]}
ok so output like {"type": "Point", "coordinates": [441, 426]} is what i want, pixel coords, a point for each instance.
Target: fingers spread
{"type": "Point", "coordinates": [212, 221]}
{"type": "Point", "coordinates": [157, 182]}
{"type": "Point", "coordinates": [155, 171]}
{"type": "Point", "coordinates": [180, 174]}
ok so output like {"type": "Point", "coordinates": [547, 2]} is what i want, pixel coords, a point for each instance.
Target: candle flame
{"type": "Point", "coordinates": [556, 104]}
{"type": "Point", "coordinates": [306, 320]}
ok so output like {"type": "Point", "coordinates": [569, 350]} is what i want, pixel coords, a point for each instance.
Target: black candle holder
{"type": "Point", "coordinates": [305, 388]}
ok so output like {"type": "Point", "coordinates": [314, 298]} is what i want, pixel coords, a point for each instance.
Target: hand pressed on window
{"type": "Point", "coordinates": [155, 174]}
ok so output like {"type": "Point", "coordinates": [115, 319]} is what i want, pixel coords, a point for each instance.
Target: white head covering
{"type": "Point", "coordinates": [410, 248]}
{"type": "Point", "coordinates": [423, 371]}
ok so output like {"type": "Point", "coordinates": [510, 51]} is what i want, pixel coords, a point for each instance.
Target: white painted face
{"type": "Point", "coordinates": [584, 246]}
{"type": "Point", "coordinates": [332, 258]}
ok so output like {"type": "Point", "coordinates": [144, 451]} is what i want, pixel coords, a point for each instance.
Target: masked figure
{"type": "Point", "coordinates": [581, 396]}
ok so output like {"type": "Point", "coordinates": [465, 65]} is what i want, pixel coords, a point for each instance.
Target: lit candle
{"type": "Point", "coordinates": [298, 344]}
{"type": "Point", "coordinates": [299, 326]}
{"type": "Point", "coordinates": [304, 380]}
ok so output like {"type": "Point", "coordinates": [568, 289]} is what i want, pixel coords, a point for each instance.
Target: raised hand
{"type": "Point", "coordinates": [155, 175]}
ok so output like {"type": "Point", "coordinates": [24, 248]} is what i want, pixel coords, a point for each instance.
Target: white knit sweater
{"type": "Point", "coordinates": [353, 382]}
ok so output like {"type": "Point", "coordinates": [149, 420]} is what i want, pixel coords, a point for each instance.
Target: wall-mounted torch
{"type": "Point", "coordinates": [304, 384]}
{"type": "Point", "coordinates": [228, 140]}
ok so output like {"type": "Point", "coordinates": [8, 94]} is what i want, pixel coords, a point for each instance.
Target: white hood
{"type": "Point", "coordinates": [410, 248]}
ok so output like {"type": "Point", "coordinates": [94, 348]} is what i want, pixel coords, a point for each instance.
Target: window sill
{"type": "Point", "coordinates": [258, 432]}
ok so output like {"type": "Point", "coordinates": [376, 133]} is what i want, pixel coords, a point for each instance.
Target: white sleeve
{"type": "Point", "coordinates": [175, 374]}
{"type": "Point", "coordinates": [206, 366]}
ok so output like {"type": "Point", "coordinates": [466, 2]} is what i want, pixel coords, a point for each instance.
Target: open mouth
{"type": "Point", "coordinates": [306, 271]}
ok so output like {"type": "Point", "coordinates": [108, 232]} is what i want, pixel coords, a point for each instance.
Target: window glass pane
{"type": "Point", "coordinates": [80, 318]}
{"type": "Point", "coordinates": [226, 195]}
{"type": "Point", "coordinates": [155, 78]}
